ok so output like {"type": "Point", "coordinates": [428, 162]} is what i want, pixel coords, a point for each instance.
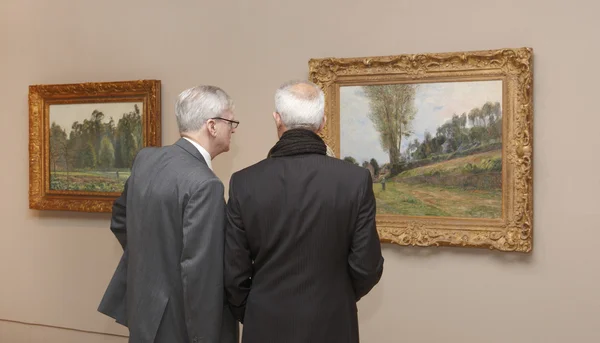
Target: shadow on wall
{"type": "Point", "coordinates": [81, 220]}
{"type": "Point", "coordinates": [372, 305]}
{"type": "Point", "coordinates": [424, 252]}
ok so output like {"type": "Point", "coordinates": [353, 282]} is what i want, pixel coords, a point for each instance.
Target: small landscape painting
{"type": "Point", "coordinates": [92, 145]}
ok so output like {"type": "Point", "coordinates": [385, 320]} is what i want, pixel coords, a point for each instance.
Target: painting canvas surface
{"type": "Point", "coordinates": [433, 149]}
{"type": "Point", "coordinates": [92, 145]}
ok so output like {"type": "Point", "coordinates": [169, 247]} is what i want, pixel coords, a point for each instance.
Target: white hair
{"type": "Point", "coordinates": [301, 104]}
{"type": "Point", "coordinates": [198, 104]}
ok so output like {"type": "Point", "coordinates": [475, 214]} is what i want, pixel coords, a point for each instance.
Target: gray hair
{"type": "Point", "coordinates": [198, 104]}
{"type": "Point", "coordinates": [301, 104]}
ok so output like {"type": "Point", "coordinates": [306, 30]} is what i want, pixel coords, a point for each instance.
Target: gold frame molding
{"type": "Point", "coordinates": [513, 231]}
{"type": "Point", "coordinates": [40, 99]}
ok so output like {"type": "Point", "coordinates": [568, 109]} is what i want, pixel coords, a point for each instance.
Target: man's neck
{"type": "Point", "coordinates": [203, 142]}
{"type": "Point", "coordinates": [282, 129]}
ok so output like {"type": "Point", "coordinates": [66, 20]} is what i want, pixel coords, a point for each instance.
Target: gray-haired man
{"type": "Point", "coordinates": [168, 286]}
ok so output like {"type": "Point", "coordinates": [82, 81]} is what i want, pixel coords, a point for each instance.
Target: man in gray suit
{"type": "Point", "coordinates": [168, 286]}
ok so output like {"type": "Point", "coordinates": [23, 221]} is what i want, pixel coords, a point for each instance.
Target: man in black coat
{"type": "Point", "coordinates": [301, 245]}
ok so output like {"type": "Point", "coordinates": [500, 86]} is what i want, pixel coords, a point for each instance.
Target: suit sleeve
{"type": "Point", "coordinates": [237, 257]}
{"type": "Point", "coordinates": [118, 219]}
{"type": "Point", "coordinates": [202, 262]}
{"type": "Point", "coordinates": [365, 260]}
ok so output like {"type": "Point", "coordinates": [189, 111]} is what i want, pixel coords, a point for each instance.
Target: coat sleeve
{"type": "Point", "coordinates": [237, 257]}
{"type": "Point", "coordinates": [202, 262]}
{"type": "Point", "coordinates": [118, 219]}
{"type": "Point", "coordinates": [365, 259]}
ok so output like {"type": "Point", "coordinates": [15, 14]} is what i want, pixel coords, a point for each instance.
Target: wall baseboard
{"type": "Point", "coordinates": [61, 328]}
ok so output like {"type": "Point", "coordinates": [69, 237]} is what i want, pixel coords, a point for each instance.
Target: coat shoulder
{"type": "Point", "coordinates": [325, 164]}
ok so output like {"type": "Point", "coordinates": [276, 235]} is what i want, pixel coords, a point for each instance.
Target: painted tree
{"type": "Point", "coordinates": [425, 149]}
{"type": "Point", "coordinates": [351, 160]}
{"type": "Point", "coordinates": [375, 165]}
{"type": "Point", "coordinates": [96, 130]}
{"type": "Point", "coordinates": [392, 110]}
{"type": "Point", "coordinates": [494, 119]}
{"type": "Point", "coordinates": [412, 148]}
{"type": "Point", "coordinates": [69, 152]}
{"type": "Point", "coordinates": [137, 127]}
{"type": "Point", "coordinates": [58, 139]}
{"type": "Point", "coordinates": [454, 131]}
{"type": "Point", "coordinates": [486, 122]}
{"type": "Point", "coordinates": [128, 138]}
{"type": "Point", "coordinates": [370, 168]}
{"type": "Point", "coordinates": [106, 156]}
{"type": "Point", "coordinates": [88, 156]}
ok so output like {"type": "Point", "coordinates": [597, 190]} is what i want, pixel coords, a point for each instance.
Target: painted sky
{"type": "Point", "coordinates": [435, 103]}
{"type": "Point", "coordinates": [65, 115]}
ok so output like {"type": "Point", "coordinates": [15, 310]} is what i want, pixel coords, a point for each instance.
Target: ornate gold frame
{"type": "Point", "coordinates": [513, 231]}
{"type": "Point", "coordinates": [40, 99]}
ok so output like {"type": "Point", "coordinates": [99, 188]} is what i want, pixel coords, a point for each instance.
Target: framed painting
{"type": "Point", "coordinates": [447, 138]}
{"type": "Point", "coordinates": [83, 138]}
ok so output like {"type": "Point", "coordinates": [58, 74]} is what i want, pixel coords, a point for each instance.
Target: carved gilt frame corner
{"type": "Point", "coordinates": [514, 230]}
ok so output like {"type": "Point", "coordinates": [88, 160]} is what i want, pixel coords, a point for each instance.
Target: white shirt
{"type": "Point", "coordinates": [203, 152]}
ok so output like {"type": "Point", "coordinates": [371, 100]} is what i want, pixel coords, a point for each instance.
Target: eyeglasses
{"type": "Point", "coordinates": [234, 124]}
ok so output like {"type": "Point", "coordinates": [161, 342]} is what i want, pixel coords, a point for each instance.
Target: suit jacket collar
{"type": "Point", "coordinates": [191, 149]}
{"type": "Point", "coordinates": [205, 154]}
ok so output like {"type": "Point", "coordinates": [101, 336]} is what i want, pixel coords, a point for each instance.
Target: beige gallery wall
{"type": "Point", "coordinates": [54, 266]}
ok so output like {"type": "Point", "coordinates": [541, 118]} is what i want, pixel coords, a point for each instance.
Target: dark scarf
{"type": "Point", "coordinates": [298, 142]}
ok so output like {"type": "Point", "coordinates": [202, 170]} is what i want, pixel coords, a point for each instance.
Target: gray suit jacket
{"type": "Point", "coordinates": [168, 286]}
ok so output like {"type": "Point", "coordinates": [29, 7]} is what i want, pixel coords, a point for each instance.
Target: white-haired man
{"type": "Point", "coordinates": [168, 286]}
{"type": "Point", "coordinates": [301, 246]}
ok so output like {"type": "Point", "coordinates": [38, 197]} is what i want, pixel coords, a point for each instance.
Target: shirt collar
{"type": "Point", "coordinates": [202, 151]}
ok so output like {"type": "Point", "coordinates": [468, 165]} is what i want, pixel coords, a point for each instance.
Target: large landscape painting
{"type": "Point", "coordinates": [433, 149]}
{"type": "Point", "coordinates": [447, 138]}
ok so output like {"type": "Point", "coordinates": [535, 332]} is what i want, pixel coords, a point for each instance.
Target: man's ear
{"type": "Point", "coordinates": [322, 123]}
{"type": "Point", "coordinates": [277, 118]}
{"type": "Point", "coordinates": [211, 126]}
